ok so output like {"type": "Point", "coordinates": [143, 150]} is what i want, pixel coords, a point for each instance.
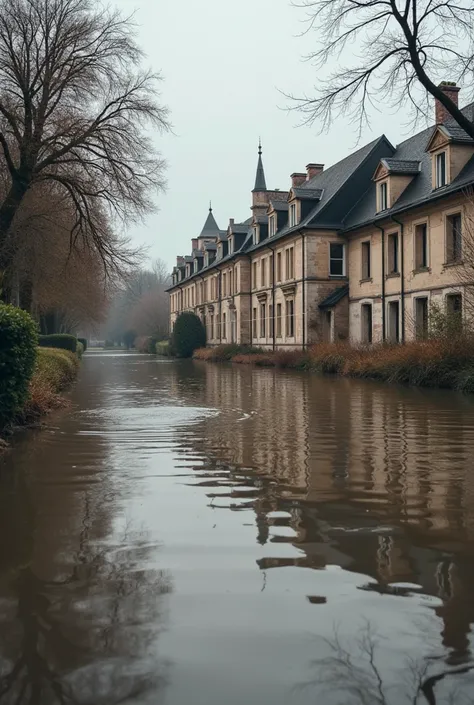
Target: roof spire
{"type": "Point", "coordinates": [260, 183]}
{"type": "Point", "coordinates": [210, 229]}
{"type": "Point", "coordinates": [210, 206]}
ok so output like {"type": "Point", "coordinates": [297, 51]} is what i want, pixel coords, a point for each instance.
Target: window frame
{"type": "Point", "coordinates": [272, 226]}
{"type": "Point", "coordinates": [393, 268]}
{"type": "Point", "coordinates": [367, 339]}
{"type": "Point", "coordinates": [263, 319]}
{"type": "Point", "coordinates": [416, 302]}
{"type": "Point", "coordinates": [279, 266]}
{"type": "Point", "coordinates": [292, 215]}
{"type": "Point", "coordinates": [438, 160]}
{"type": "Point", "coordinates": [447, 220]}
{"type": "Point", "coordinates": [383, 196]}
{"type": "Point", "coordinates": [254, 322]}
{"type": "Point", "coordinates": [290, 318]}
{"type": "Point", "coordinates": [418, 266]}
{"type": "Point", "coordinates": [278, 320]}
{"type": "Point", "coordinates": [366, 260]}
{"type": "Point", "coordinates": [337, 259]}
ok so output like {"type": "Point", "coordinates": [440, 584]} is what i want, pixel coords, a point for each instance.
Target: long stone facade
{"type": "Point", "coordinates": [359, 251]}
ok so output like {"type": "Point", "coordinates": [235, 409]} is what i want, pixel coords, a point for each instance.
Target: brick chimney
{"type": "Point", "coordinates": [297, 179]}
{"type": "Point", "coordinates": [194, 243]}
{"type": "Point", "coordinates": [313, 170]}
{"type": "Point", "coordinates": [451, 90]}
{"type": "Point", "coordinates": [231, 221]}
{"type": "Point", "coordinates": [180, 261]}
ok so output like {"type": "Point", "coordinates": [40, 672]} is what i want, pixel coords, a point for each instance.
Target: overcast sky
{"type": "Point", "coordinates": [224, 63]}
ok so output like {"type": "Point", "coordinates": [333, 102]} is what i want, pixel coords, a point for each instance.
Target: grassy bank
{"type": "Point", "coordinates": [446, 362]}
{"type": "Point", "coordinates": [55, 370]}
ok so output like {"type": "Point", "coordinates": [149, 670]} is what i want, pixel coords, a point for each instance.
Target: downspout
{"type": "Point", "coordinates": [250, 303]}
{"type": "Point", "coordinates": [402, 276]}
{"type": "Point", "coordinates": [273, 295]}
{"type": "Point", "coordinates": [384, 325]}
{"type": "Point", "coordinates": [303, 258]}
{"type": "Point", "coordinates": [220, 306]}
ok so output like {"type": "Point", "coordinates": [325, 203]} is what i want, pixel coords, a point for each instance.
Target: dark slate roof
{"type": "Point", "coordinates": [334, 297]}
{"type": "Point", "coordinates": [211, 246]}
{"type": "Point", "coordinates": [419, 191]}
{"type": "Point", "coordinates": [455, 132]}
{"type": "Point", "coordinates": [260, 183]}
{"type": "Point", "coordinates": [188, 259]}
{"type": "Point", "coordinates": [400, 166]}
{"type": "Point", "coordinates": [210, 229]}
{"type": "Point", "coordinates": [198, 253]}
{"type": "Point", "coordinates": [261, 219]}
{"type": "Point", "coordinates": [239, 228]}
{"type": "Point", "coordinates": [312, 194]}
{"type": "Point", "coordinates": [279, 205]}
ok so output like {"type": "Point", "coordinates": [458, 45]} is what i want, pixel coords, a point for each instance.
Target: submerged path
{"type": "Point", "coordinates": [206, 534]}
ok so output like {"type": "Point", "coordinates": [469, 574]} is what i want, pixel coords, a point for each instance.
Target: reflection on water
{"type": "Point", "coordinates": [208, 534]}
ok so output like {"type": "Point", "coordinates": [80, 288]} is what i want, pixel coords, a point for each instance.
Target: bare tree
{"type": "Point", "coordinates": [75, 106]}
{"type": "Point", "coordinates": [404, 49]}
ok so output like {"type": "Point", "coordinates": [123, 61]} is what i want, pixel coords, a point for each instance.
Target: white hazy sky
{"type": "Point", "coordinates": [224, 63]}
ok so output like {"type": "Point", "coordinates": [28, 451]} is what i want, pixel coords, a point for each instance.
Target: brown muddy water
{"type": "Point", "coordinates": [197, 534]}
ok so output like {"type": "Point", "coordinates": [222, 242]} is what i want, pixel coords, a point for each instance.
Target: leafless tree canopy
{"type": "Point", "coordinates": [403, 49]}
{"type": "Point", "coordinates": [75, 106]}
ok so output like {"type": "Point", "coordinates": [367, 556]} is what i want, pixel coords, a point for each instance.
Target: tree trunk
{"type": "Point", "coordinates": [8, 210]}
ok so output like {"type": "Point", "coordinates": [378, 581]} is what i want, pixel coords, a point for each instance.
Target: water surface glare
{"type": "Point", "coordinates": [198, 534]}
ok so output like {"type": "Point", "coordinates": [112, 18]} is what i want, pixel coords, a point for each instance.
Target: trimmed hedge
{"type": "Point", "coordinates": [18, 341]}
{"type": "Point", "coordinates": [58, 340]}
{"type": "Point", "coordinates": [189, 334]}
{"type": "Point", "coordinates": [84, 342]}
{"type": "Point", "coordinates": [164, 348]}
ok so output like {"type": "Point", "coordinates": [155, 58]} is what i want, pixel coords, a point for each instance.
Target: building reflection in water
{"type": "Point", "coordinates": [375, 479]}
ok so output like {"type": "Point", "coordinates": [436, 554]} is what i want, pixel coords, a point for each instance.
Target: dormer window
{"type": "Point", "coordinates": [293, 217]}
{"type": "Point", "coordinates": [383, 196]}
{"type": "Point", "coordinates": [272, 226]}
{"type": "Point", "coordinates": [440, 167]}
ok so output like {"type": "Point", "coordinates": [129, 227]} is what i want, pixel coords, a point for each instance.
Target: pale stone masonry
{"type": "Point", "coordinates": [359, 251]}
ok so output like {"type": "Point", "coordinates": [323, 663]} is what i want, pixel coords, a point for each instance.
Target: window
{"type": "Point", "coordinates": [421, 317]}
{"type": "Point", "coordinates": [211, 321]}
{"type": "Point", "coordinates": [263, 314]}
{"type": "Point", "coordinates": [270, 321]}
{"type": "Point", "coordinates": [453, 238]}
{"type": "Point", "coordinates": [270, 270]}
{"type": "Point", "coordinates": [224, 326]}
{"type": "Point", "coordinates": [328, 320]}
{"type": "Point", "coordinates": [254, 323]}
{"type": "Point", "coordinates": [289, 254]}
{"type": "Point", "coordinates": [224, 285]}
{"type": "Point", "coordinates": [255, 286]}
{"type": "Point", "coordinates": [233, 326]}
{"type": "Point", "coordinates": [366, 320]}
{"type": "Point", "coordinates": [272, 225]}
{"type": "Point", "coordinates": [393, 253]}
{"type": "Point", "coordinates": [278, 321]}
{"type": "Point", "coordinates": [336, 259]}
{"type": "Point", "coordinates": [454, 311]}
{"type": "Point", "coordinates": [394, 321]}
{"type": "Point", "coordinates": [383, 193]}
{"type": "Point", "coordinates": [293, 220]}
{"type": "Point", "coordinates": [263, 272]}
{"type": "Point", "coordinates": [421, 246]}
{"type": "Point", "coordinates": [278, 267]}
{"type": "Point", "coordinates": [236, 287]}
{"type": "Point", "coordinates": [440, 167]}
{"type": "Point", "coordinates": [366, 260]}
{"type": "Point", "coordinates": [290, 318]}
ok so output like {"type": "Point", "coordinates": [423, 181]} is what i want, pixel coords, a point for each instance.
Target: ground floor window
{"type": "Point", "coordinates": [366, 319]}
{"type": "Point", "coordinates": [254, 323]}
{"type": "Point", "coordinates": [233, 326]}
{"type": "Point", "coordinates": [211, 325]}
{"type": "Point", "coordinates": [421, 317]}
{"type": "Point", "coordinates": [454, 310]}
{"type": "Point", "coordinates": [263, 316]}
{"type": "Point", "coordinates": [270, 321]}
{"type": "Point", "coordinates": [394, 321]}
{"type": "Point", "coordinates": [278, 320]}
{"type": "Point", "coordinates": [224, 326]}
{"type": "Point", "coordinates": [290, 318]}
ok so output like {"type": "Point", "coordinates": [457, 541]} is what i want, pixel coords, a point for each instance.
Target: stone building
{"type": "Point", "coordinates": [360, 250]}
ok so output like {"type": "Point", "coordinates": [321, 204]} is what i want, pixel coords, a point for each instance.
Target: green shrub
{"type": "Point", "coordinates": [189, 334]}
{"type": "Point", "coordinates": [164, 347]}
{"type": "Point", "coordinates": [79, 349]}
{"type": "Point", "coordinates": [56, 368]}
{"type": "Point", "coordinates": [58, 340]}
{"type": "Point", "coordinates": [84, 343]}
{"type": "Point", "coordinates": [18, 341]}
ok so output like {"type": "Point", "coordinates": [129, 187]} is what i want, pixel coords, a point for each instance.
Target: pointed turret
{"type": "Point", "coordinates": [260, 183]}
{"type": "Point", "coordinates": [210, 229]}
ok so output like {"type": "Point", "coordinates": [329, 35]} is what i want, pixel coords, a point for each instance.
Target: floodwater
{"type": "Point", "coordinates": [198, 534]}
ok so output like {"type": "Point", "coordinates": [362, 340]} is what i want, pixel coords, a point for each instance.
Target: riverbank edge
{"type": "Point", "coordinates": [446, 363]}
{"type": "Point", "coordinates": [54, 374]}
